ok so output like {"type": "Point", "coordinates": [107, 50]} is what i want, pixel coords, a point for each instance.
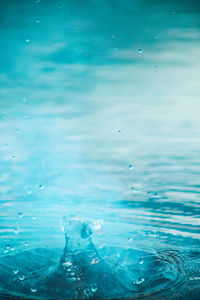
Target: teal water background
{"type": "Point", "coordinates": [99, 117]}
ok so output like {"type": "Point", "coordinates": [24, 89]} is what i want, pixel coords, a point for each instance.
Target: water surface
{"type": "Point", "coordinates": [99, 119]}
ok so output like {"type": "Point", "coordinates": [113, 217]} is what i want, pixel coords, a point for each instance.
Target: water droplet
{"type": "Point", "coordinates": [34, 217]}
{"type": "Point", "coordinates": [24, 99]}
{"type": "Point", "coordinates": [20, 215]}
{"type": "Point", "coordinates": [13, 157]}
{"type": "Point", "coordinates": [7, 248]}
{"type": "Point", "coordinates": [98, 226]}
{"type": "Point", "coordinates": [155, 67]}
{"type": "Point", "coordinates": [94, 288]}
{"type": "Point", "coordinates": [134, 190]}
{"type": "Point", "coordinates": [140, 51]}
{"type": "Point", "coordinates": [119, 131]}
{"type": "Point", "coordinates": [141, 261]}
{"type": "Point", "coordinates": [27, 40]}
{"type": "Point", "coordinates": [6, 146]}
{"type": "Point", "coordinates": [12, 248]}
{"type": "Point", "coordinates": [130, 239]}
{"type": "Point", "coordinates": [37, 20]}
{"type": "Point", "coordinates": [139, 281]}
{"type": "Point", "coordinates": [37, 1]}
{"type": "Point", "coordinates": [29, 191]}
{"type": "Point", "coordinates": [67, 264]}
{"type": "Point", "coordinates": [113, 36]}
{"type": "Point", "coordinates": [131, 167]}
{"type": "Point", "coordinates": [25, 116]}
{"type": "Point", "coordinates": [4, 116]}
{"type": "Point", "coordinates": [26, 244]}
{"type": "Point", "coordinates": [17, 130]}
{"type": "Point", "coordinates": [21, 277]}
{"type": "Point", "coordinates": [17, 230]}
{"type": "Point", "coordinates": [149, 193]}
{"type": "Point", "coordinates": [41, 187]}
{"type": "Point", "coordinates": [33, 290]}
{"type": "Point", "coordinates": [15, 271]}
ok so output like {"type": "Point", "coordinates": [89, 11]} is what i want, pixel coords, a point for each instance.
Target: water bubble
{"type": "Point", "coordinates": [24, 99]}
{"type": "Point", "coordinates": [131, 167]}
{"type": "Point", "coordinates": [113, 36]}
{"type": "Point", "coordinates": [134, 190]}
{"type": "Point", "coordinates": [33, 290]}
{"type": "Point", "coordinates": [37, 20]}
{"type": "Point", "coordinates": [41, 187]}
{"type": "Point", "coordinates": [155, 67]}
{"type": "Point", "coordinates": [25, 116]}
{"type": "Point", "coordinates": [34, 217]}
{"type": "Point", "coordinates": [37, 1]}
{"type": "Point", "coordinates": [140, 51]}
{"type": "Point", "coordinates": [29, 191]}
{"type": "Point", "coordinates": [6, 145]}
{"type": "Point", "coordinates": [26, 244]}
{"type": "Point", "coordinates": [130, 239]}
{"type": "Point", "coordinates": [17, 130]}
{"type": "Point", "coordinates": [72, 278]}
{"type": "Point", "coordinates": [13, 157]}
{"type": "Point", "coordinates": [15, 271]}
{"type": "Point", "coordinates": [27, 40]}
{"type": "Point", "coordinates": [94, 261]}
{"type": "Point", "coordinates": [139, 281]}
{"type": "Point", "coordinates": [21, 277]}
{"type": "Point", "coordinates": [12, 248]}
{"type": "Point", "coordinates": [20, 215]}
{"type": "Point", "coordinates": [149, 193]}
{"type": "Point", "coordinates": [94, 288]}
{"type": "Point", "coordinates": [4, 116]}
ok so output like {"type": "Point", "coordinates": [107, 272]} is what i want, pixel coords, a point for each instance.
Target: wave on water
{"type": "Point", "coordinates": [85, 270]}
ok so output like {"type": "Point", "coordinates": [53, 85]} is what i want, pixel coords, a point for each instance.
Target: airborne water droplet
{"type": "Point", "coordinates": [29, 191]}
{"type": "Point", "coordinates": [20, 215]}
{"type": "Point", "coordinates": [94, 288]}
{"type": "Point", "coordinates": [134, 190]}
{"type": "Point", "coordinates": [21, 277]}
{"type": "Point", "coordinates": [16, 230]}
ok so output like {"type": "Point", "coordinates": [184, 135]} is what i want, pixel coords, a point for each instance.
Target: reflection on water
{"type": "Point", "coordinates": [99, 117]}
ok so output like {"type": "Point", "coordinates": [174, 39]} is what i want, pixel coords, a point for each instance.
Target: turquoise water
{"type": "Point", "coordinates": [99, 149]}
